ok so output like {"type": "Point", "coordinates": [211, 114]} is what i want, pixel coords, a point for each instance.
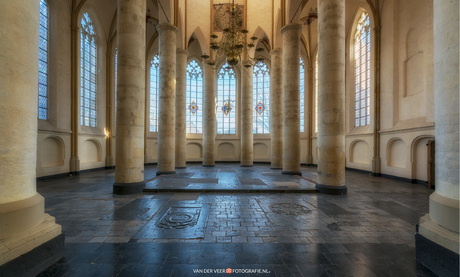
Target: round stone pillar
{"type": "Point", "coordinates": [166, 119]}
{"type": "Point", "coordinates": [19, 111]}
{"type": "Point", "coordinates": [291, 99]}
{"type": "Point", "coordinates": [246, 115]}
{"type": "Point", "coordinates": [181, 77]}
{"type": "Point", "coordinates": [129, 170]}
{"type": "Point", "coordinates": [209, 116]}
{"type": "Point", "coordinates": [331, 97]}
{"type": "Point", "coordinates": [276, 115]}
{"type": "Point", "coordinates": [23, 223]}
{"type": "Point", "coordinates": [441, 226]}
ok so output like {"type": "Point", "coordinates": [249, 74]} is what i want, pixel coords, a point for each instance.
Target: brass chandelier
{"type": "Point", "coordinates": [233, 42]}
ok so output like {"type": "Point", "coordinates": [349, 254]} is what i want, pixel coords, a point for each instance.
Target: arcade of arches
{"type": "Point", "coordinates": [132, 86]}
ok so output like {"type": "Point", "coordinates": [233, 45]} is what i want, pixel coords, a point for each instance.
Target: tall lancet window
{"type": "Point", "coordinates": [302, 95]}
{"type": "Point", "coordinates": [88, 72]}
{"type": "Point", "coordinates": [226, 99]}
{"type": "Point", "coordinates": [116, 83]}
{"type": "Point", "coordinates": [261, 98]}
{"type": "Point", "coordinates": [194, 104]}
{"type": "Point", "coordinates": [154, 89]}
{"type": "Point", "coordinates": [362, 53]}
{"type": "Point", "coordinates": [316, 94]}
{"type": "Point", "coordinates": [43, 62]}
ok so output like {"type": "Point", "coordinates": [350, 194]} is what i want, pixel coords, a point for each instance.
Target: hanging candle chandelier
{"type": "Point", "coordinates": [233, 42]}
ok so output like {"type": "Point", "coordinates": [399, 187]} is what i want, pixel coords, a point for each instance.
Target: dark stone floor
{"type": "Point", "coordinates": [231, 178]}
{"type": "Point", "coordinates": [369, 232]}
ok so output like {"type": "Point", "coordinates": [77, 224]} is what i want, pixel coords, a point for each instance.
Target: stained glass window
{"type": "Point", "coordinates": [154, 89]}
{"type": "Point", "coordinates": [226, 99]}
{"type": "Point", "coordinates": [362, 71]}
{"type": "Point", "coordinates": [194, 102]}
{"type": "Point", "coordinates": [43, 62]}
{"type": "Point", "coordinates": [261, 98]}
{"type": "Point", "coordinates": [302, 95]}
{"type": "Point", "coordinates": [316, 94]}
{"type": "Point", "coordinates": [88, 72]}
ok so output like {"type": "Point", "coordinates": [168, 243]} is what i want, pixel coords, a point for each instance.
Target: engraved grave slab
{"type": "Point", "coordinates": [177, 222]}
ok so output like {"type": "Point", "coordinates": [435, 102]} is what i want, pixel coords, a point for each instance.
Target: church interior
{"type": "Point", "coordinates": [216, 137]}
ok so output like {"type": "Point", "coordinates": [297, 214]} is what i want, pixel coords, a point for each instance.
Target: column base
{"type": "Point", "coordinates": [438, 259]}
{"type": "Point", "coordinates": [181, 167]}
{"type": "Point", "coordinates": [128, 188]}
{"type": "Point", "coordinates": [30, 252]}
{"type": "Point", "coordinates": [246, 165]}
{"type": "Point", "coordinates": [276, 168]}
{"type": "Point", "coordinates": [208, 165]}
{"type": "Point", "coordinates": [74, 165]}
{"type": "Point", "coordinates": [109, 162]}
{"type": "Point", "coordinates": [165, 172]}
{"type": "Point", "coordinates": [291, 173]}
{"type": "Point", "coordinates": [333, 190]}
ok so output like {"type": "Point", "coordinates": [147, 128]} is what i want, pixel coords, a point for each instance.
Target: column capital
{"type": "Point", "coordinates": [291, 26]}
{"type": "Point", "coordinates": [181, 51]}
{"type": "Point", "coordinates": [276, 51]}
{"type": "Point", "coordinates": [244, 63]}
{"type": "Point", "coordinates": [165, 26]}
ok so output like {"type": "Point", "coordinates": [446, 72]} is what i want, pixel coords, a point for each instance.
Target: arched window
{"type": "Point", "coordinates": [226, 98]}
{"type": "Point", "coordinates": [302, 95]}
{"type": "Point", "coordinates": [194, 114]}
{"type": "Point", "coordinates": [154, 89]}
{"type": "Point", "coordinates": [261, 98]}
{"type": "Point", "coordinates": [362, 52]}
{"type": "Point", "coordinates": [88, 72]}
{"type": "Point", "coordinates": [316, 94]}
{"type": "Point", "coordinates": [43, 62]}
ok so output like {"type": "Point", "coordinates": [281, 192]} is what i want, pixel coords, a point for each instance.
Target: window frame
{"type": "Point", "coordinates": [199, 98]}
{"type": "Point", "coordinates": [255, 99]}
{"type": "Point", "coordinates": [83, 68]}
{"type": "Point", "coordinates": [152, 116]}
{"type": "Point", "coordinates": [357, 34]}
{"type": "Point", "coordinates": [47, 64]}
{"type": "Point", "coordinates": [235, 102]}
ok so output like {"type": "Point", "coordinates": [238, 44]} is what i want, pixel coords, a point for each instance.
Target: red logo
{"type": "Point", "coordinates": [229, 270]}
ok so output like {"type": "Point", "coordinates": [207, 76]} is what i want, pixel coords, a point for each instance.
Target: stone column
{"type": "Point", "coordinates": [246, 115]}
{"type": "Point", "coordinates": [129, 170]}
{"type": "Point", "coordinates": [166, 119]}
{"type": "Point", "coordinates": [181, 77]}
{"type": "Point", "coordinates": [23, 222]}
{"type": "Point", "coordinates": [209, 116]}
{"type": "Point", "coordinates": [276, 115]}
{"type": "Point", "coordinates": [291, 99]}
{"type": "Point", "coordinates": [331, 97]}
{"type": "Point", "coordinates": [439, 230]}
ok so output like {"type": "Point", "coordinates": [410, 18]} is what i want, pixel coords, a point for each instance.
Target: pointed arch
{"type": "Point", "coordinates": [202, 41]}
{"type": "Point", "coordinates": [260, 34]}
